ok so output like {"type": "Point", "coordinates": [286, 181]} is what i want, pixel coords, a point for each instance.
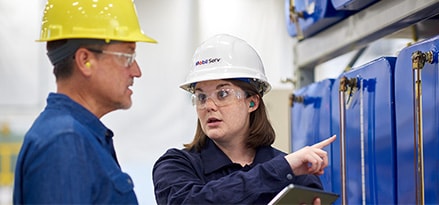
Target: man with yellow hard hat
{"type": "Point", "coordinates": [67, 156]}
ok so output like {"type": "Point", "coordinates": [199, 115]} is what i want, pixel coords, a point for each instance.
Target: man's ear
{"type": "Point", "coordinates": [84, 61]}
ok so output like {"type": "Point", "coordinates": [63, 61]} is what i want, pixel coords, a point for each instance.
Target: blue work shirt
{"type": "Point", "coordinates": [67, 157]}
{"type": "Point", "coordinates": [210, 177]}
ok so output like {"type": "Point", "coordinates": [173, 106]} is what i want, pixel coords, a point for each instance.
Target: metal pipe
{"type": "Point", "coordinates": [415, 160]}
{"type": "Point", "coordinates": [363, 166]}
{"type": "Point", "coordinates": [294, 18]}
{"type": "Point", "coordinates": [420, 144]}
{"type": "Point", "coordinates": [342, 90]}
{"type": "Point", "coordinates": [418, 61]}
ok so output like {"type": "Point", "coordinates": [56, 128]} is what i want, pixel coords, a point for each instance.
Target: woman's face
{"type": "Point", "coordinates": [223, 110]}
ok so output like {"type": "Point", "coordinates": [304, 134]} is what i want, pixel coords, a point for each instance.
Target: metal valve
{"type": "Point", "coordinates": [419, 59]}
{"type": "Point", "coordinates": [294, 17]}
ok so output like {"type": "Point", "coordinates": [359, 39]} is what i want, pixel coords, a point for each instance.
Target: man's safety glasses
{"type": "Point", "coordinates": [222, 97]}
{"type": "Point", "coordinates": [129, 57]}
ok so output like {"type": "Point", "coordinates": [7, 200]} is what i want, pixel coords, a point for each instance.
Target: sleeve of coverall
{"type": "Point", "coordinates": [57, 172]}
{"type": "Point", "coordinates": [177, 182]}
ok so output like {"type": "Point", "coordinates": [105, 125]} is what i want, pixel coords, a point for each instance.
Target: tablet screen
{"type": "Point", "coordinates": [295, 194]}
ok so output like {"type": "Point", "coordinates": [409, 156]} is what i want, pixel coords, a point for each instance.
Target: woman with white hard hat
{"type": "Point", "coordinates": [231, 160]}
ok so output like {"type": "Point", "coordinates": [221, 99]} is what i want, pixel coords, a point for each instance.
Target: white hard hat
{"type": "Point", "coordinates": [226, 57]}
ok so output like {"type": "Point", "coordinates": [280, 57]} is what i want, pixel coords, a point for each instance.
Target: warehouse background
{"type": "Point", "coordinates": [161, 116]}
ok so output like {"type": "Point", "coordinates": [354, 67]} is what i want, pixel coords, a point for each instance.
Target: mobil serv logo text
{"type": "Point", "coordinates": [207, 61]}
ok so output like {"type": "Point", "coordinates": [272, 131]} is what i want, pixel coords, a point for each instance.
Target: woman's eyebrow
{"type": "Point", "coordinates": [217, 87]}
{"type": "Point", "coordinates": [222, 85]}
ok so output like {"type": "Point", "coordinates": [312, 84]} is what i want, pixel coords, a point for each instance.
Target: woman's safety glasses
{"type": "Point", "coordinates": [220, 98]}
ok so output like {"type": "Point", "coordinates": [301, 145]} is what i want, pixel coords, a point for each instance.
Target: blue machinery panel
{"type": "Point", "coordinates": [370, 132]}
{"type": "Point", "coordinates": [408, 126]}
{"type": "Point", "coordinates": [351, 4]}
{"type": "Point", "coordinates": [311, 114]}
{"type": "Point", "coordinates": [310, 118]}
{"type": "Point", "coordinates": [307, 17]}
{"type": "Point", "coordinates": [390, 122]}
{"type": "Point", "coordinates": [312, 16]}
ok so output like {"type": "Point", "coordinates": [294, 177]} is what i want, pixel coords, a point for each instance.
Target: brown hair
{"type": "Point", "coordinates": [63, 68]}
{"type": "Point", "coordinates": [261, 133]}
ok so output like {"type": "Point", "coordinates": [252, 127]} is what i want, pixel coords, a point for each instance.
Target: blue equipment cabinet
{"type": "Point", "coordinates": [310, 119]}
{"type": "Point", "coordinates": [405, 96]}
{"type": "Point", "coordinates": [352, 4]}
{"type": "Point", "coordinates": [316, 16]}
{"type": "Point", "coordinates": [370, 134]}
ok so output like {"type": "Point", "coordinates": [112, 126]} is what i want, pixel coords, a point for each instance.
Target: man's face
{"type": "Point", "coordinates": [113, 76]}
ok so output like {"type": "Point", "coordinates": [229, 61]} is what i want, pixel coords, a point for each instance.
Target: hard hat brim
{"type": "Point", "coordinates": [213, 74]}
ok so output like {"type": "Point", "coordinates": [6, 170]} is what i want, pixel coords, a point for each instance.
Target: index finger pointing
{"type": "Point", "coordinates": [325, 142]}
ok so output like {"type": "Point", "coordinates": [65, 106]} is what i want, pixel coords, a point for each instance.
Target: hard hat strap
{"type": "Point", "coordinates": [69, 48]}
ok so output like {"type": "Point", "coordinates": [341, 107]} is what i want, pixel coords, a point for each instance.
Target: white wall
{"type": "Point", "coordinates": [161, 116]}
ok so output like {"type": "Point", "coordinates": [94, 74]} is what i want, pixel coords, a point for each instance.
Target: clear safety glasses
{"type": "Point", "coordinates": [128, 57]}
{"type": "Point", "coordinates": [220, 97]}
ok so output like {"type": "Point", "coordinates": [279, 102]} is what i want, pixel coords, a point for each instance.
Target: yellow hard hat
{"type": "Point", "coordinates": [92, 19]}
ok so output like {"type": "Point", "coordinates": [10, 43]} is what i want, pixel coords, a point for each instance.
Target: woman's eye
{"type": "Point", "coordinates": [222, 94]}
{"type": "Point", "coordinates": [201, 97]}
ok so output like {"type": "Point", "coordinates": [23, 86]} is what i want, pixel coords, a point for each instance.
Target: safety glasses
{"type": "Point", "coordinates": [128, 57]}
{"type": "Point", "coordinates": [220, 98]}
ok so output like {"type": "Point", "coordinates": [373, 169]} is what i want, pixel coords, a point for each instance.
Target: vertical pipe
{"type": "Point", "coordinates": [294, 18]}
{"type": "Point", "coordinates": [415, 160]}
{"type": "Point", "coordinates": [418, 61]}
{"type": "Point", "coordinates": [363, 167]}
{"type": "Point", "coordinates": [342, 90]}
{"type": "Point", "coordinates": [420, 136]}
